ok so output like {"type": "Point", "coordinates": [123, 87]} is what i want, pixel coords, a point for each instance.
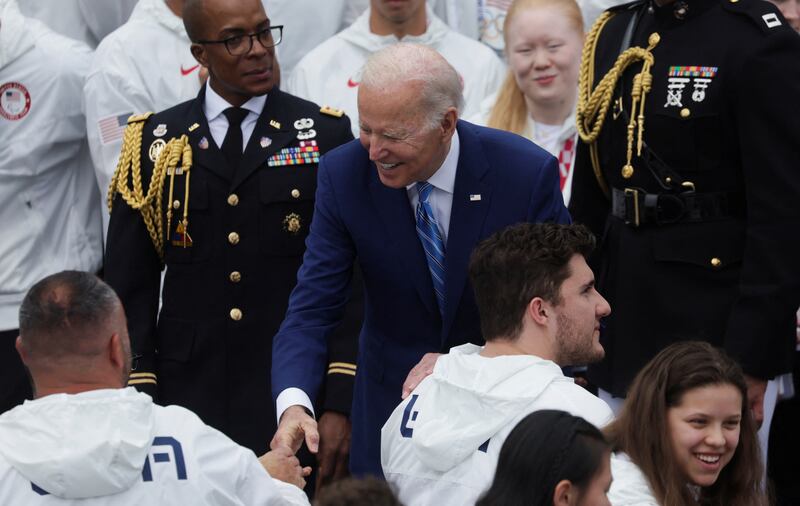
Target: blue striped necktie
{"type": "Point", "coordinates": [431, 238]}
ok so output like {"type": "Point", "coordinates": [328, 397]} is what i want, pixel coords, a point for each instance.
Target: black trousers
{"type": "Point", "coordinates": [784, 446]}
{"type": "Point", "coordinates": [15, 385]}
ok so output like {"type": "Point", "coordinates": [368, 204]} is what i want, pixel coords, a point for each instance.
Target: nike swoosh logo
{"type": "Point", "coordinates": [188, 71]}
{"type": "Point", "coordinates": [351, 83]}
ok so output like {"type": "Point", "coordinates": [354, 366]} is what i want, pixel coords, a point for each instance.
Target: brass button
{"type": "Point", "coordinates": [233, 238]}
{"type": "Point", "coordinates": [734, 1]}
{"type": "Point", "coordinates": [627, 172]}
{"type": "Point", "coordinates": [685, 113]}
{"type": "Point", "coordinates": [296, 193]}
{"type": "Point", "coordinates": [680, 9]}
{"type": "Point", "coordinates": [716, 262]}
{"type": "Point", "coordinates": [176, 204]}
{"type": "Point", "coordinates": [236, 314]}
{"type": "Point", "coordinates": [235, 276]}
{"type": "Point", "coordinates": [233, 200]}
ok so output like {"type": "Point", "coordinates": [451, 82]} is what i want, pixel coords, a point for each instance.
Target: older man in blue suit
{"type": "Point", "coordinates": [408, 201]}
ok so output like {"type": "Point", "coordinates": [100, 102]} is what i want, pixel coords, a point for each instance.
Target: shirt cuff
{"type": "Point", "coordinates": [292, 396]}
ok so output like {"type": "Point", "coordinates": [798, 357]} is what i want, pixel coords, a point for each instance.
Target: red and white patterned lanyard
{"type": "Point", "coordinates": [565, 158]}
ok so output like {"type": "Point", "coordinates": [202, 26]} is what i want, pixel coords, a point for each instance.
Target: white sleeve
{"type": "Point", "coordinates": [108, 95]}
{"type": "Point", "coordinates": [233, 471]}
{"type": "Point", "coordinates": [258, 487]}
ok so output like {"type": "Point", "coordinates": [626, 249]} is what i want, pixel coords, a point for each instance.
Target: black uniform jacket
{"type": "Point", "coordinates": [720, 263]}
{"type": "Point", "coordinates": [209, 345]}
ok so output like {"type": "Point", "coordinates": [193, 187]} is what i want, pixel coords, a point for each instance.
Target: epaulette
{"type": "Point", "coordinates": [331, 111]}
{"type": "Point", "coordinates": [138, 118]}
{"type": "Point", "coordinates": [763, 14]}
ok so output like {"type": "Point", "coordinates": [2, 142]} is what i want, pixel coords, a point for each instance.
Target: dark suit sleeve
{"type": "Point", "coordinates": [761, 330]}
{"type": "Point", "coordinates": [133, 270]}
{"type": "Point", "coordinates": [342, 352]}
{"type": "Point", "coordinates": [317, 304]}
{"type": "Point", "coordinates": [547, 203]}
{"type": "Point", "coordinates": [337, 391]}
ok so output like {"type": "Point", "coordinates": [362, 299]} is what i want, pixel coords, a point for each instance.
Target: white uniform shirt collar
{"type": "Point", "coordinates": [213, 107]}
{"type": "Point", "coordinates": [214, 104]}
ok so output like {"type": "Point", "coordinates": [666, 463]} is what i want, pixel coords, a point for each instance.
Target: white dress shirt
{"type": "Point", "coordinates": [441, 200]}
{"type": "Point", "coordinates": [215, 105]}
{"type": "Point", "coordinates": [443, 182]}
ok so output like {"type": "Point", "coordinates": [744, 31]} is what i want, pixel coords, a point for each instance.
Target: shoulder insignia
{"type": "Point", "coordinates": [763, 14]}
{"type": "Point", "coordinates": [331, 111]}
{"type": "Point", "coordinates": [138, 118]}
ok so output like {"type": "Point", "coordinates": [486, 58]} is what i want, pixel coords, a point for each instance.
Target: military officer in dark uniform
{"type": "Point", "coordinates": [220, 190]}
{"type": "Point", "coordinates": [688, 172]}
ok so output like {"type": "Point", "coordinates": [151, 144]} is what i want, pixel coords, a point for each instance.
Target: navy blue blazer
{"type": "Point", "coordinates": [501, 179]}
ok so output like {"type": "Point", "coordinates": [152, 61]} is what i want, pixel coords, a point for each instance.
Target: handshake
{"type": "Point", "coordinates": [328, 439]}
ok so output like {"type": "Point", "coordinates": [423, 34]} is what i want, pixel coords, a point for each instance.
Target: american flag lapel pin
{"type": "Point", "coordinates": [474, 197]}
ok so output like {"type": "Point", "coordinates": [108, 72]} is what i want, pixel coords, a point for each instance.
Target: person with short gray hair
{"type": "Point", "coordinates": [408, 202]}
{"type": "Point", "coordinates": [86, 439]}
{"type": "Point", "coordinates": [441, 85]}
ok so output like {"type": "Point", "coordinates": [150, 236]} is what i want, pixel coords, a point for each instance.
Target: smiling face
{"type": "Point", "coordinates": [401, 143]}
{"type": "Point", "coordinates": [235, 78]}
{"type": "Point", "coordinates": [578, 315]}
{"type": "Point", "coordinates": [704, 431]}
{"type": "Point", "coordinates": [544, 47]}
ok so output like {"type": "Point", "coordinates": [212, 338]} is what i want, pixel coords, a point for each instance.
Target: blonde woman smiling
{"type": "Point", "coordinates": [543, 40]}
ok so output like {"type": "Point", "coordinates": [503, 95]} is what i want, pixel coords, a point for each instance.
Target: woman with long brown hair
{"type": "Point", "coordinates": [543, 40]}
{"type": "Point", "coordinates": [685, 435]}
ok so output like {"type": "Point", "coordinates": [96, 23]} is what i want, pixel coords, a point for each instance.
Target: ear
{"type": "Point", "coordinates": [538, 310]}
{"type": "Point", "coordinates": [449, 122]}
{"type": "Point", "coordinates": [563, 493]}
{"type": "Point", "coordinates": [23, 354]}
{"type": "Point", "coordinates": [199, 53]}
{"type": "Point", "coordinates": [116, 351]}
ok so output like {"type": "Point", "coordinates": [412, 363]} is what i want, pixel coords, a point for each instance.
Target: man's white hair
{"type": "Point", "coordinates": [404, 64]}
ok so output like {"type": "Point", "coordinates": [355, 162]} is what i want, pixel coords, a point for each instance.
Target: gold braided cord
{"type": "Point", "coordinates": [593, 104]}
{"type": "Point", "coordinates": [177, 151]}
{"type": "Point", "coordinates": [586, 95]}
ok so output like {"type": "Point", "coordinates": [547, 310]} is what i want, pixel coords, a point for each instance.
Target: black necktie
{"type": "Point", "coordinates": [232, 144]}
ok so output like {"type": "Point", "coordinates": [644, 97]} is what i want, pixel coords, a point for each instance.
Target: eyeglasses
{"type": "Point", "coordinates": [135, 360]}
{"type": "Point", "coordinates": [242, 44]}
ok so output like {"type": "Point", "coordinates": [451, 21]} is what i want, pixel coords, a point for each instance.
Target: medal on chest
{"type": "Point", "coordinates": [696, 78]}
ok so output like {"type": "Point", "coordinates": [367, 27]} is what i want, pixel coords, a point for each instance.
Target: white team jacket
{"type": "Point", "coordinates": [440, 446]}
{"type": "Point", "coordinates": [49, 204]}
{"type": "Point", "coordinates": [88, 21]}
{"type": "Point", "coordinates": [629, 487]}
{"type": "Point", "coordinates": [116, 447]}
{"type": "Point", "coordinates": [144, 65]}
{"type": "Point", "coordinates": [331, 72]}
